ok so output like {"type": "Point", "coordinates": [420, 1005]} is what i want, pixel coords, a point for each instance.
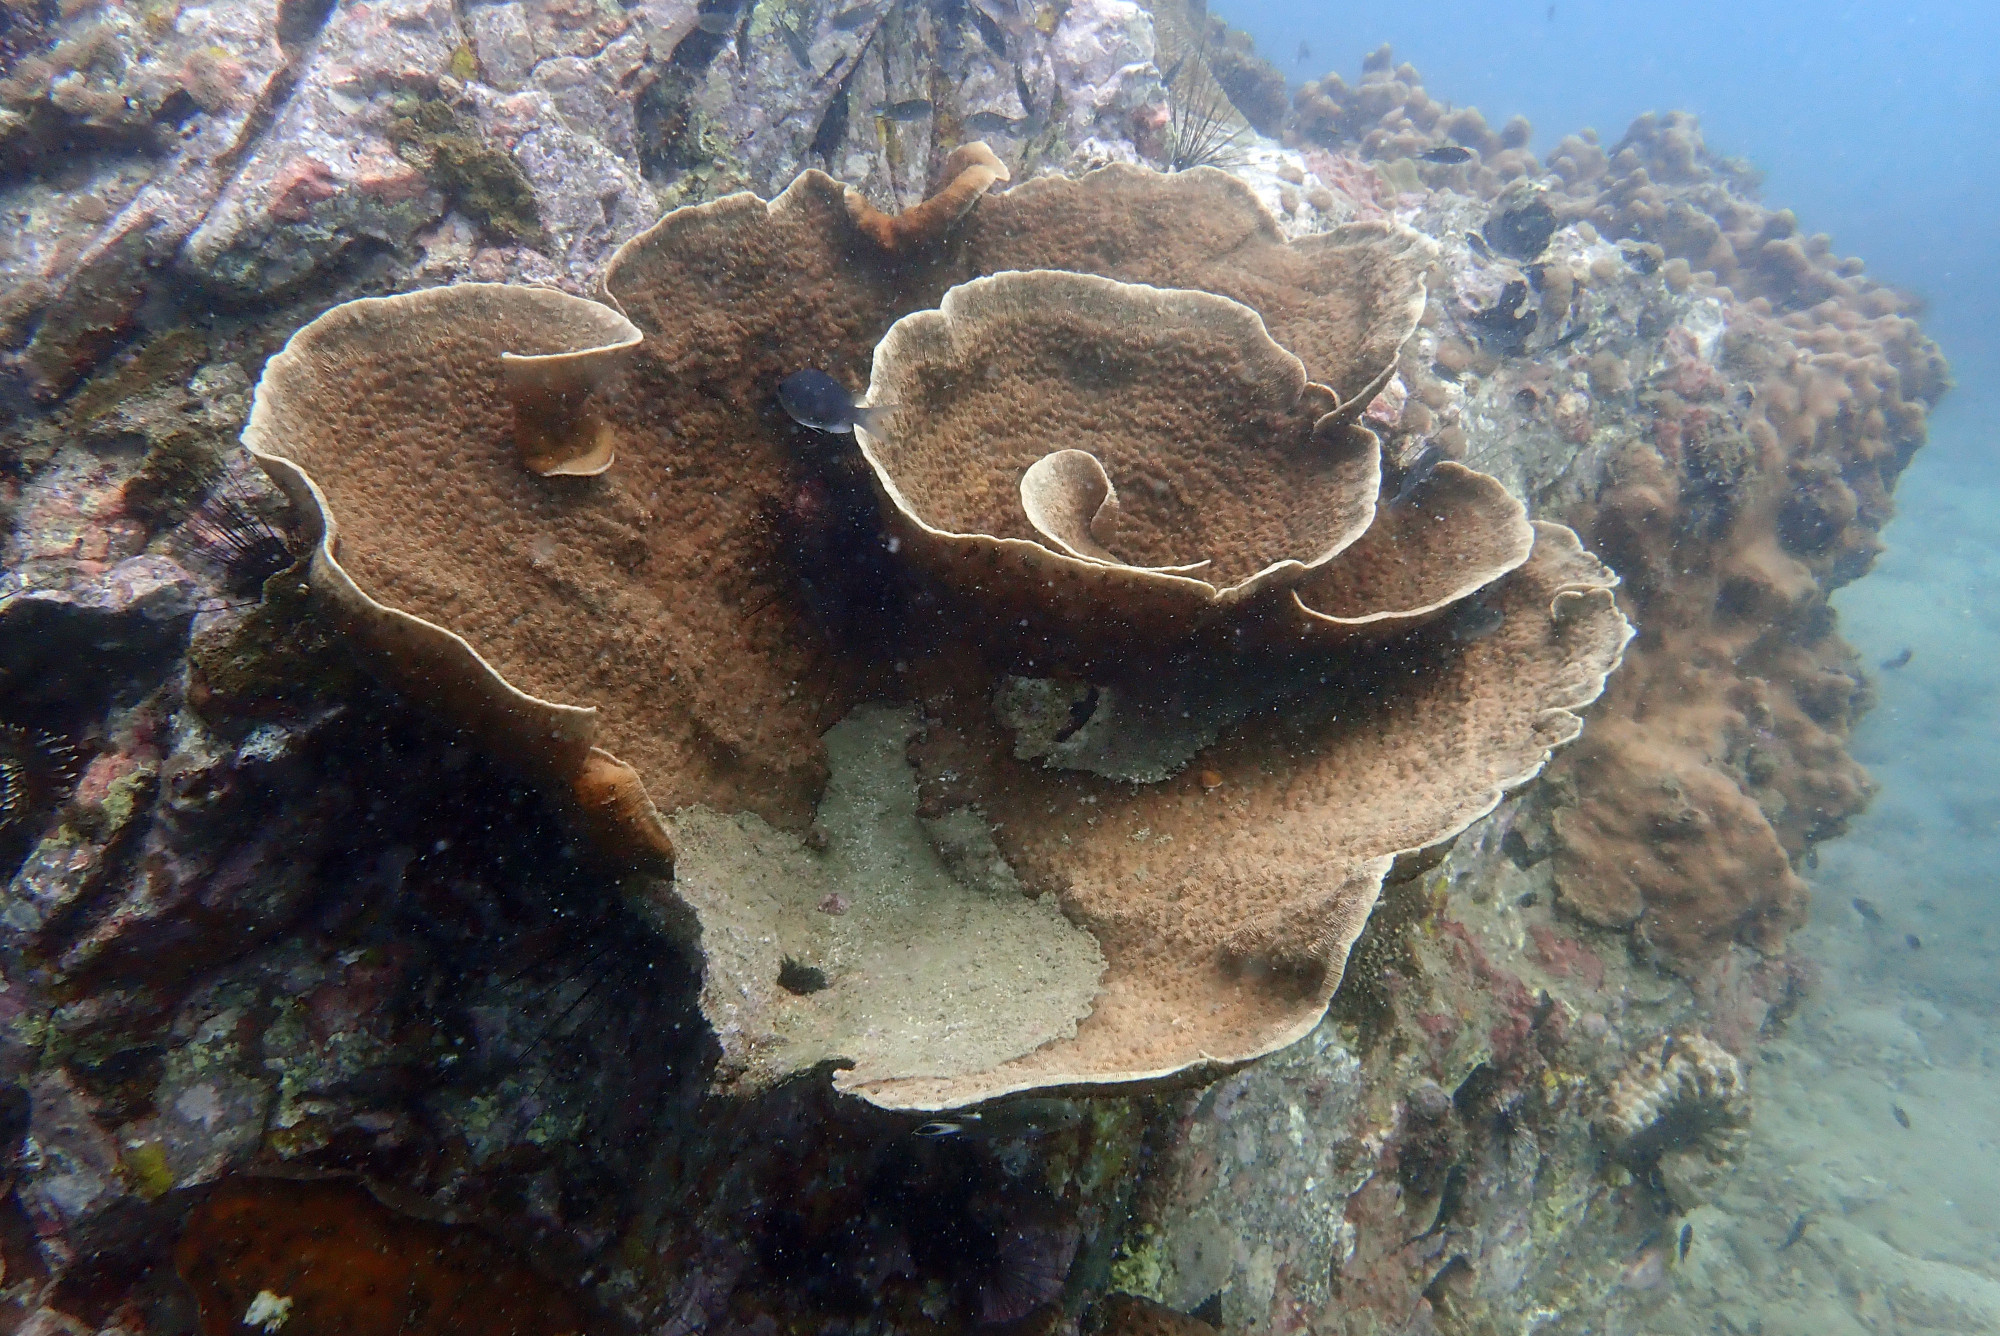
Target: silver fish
{"type": "Point", "coordinates": [1028, 1118]}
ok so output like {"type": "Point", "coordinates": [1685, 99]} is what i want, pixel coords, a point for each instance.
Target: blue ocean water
{"type": "Point", "coordinates": [1879, 124]}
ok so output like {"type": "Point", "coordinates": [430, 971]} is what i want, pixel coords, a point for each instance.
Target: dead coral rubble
{"type": "Point", "coordinates": [545, 618]}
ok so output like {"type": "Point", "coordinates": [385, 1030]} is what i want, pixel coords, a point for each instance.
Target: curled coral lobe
{"type": "Point", "coordinates": [1343, 301]}
{"type": "Point", "coordinates": [393, 423]}
{"type": "Point", "coordinates": [613, 802]}
{"type": "Point", "coordinates": [1192, 477]}
{"type": "Point", "coordinates": [970, 171]}
{"type": "Point", "coordinates": [1457, 531]}
{"type": "Point", "coordinates": [560, 425]}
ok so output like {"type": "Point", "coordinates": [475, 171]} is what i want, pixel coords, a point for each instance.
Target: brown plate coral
{"type": "Point", "coordinates": [1166, 742]}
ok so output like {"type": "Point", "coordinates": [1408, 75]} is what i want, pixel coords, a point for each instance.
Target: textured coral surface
{"type": "Point", "coordinates": [1173, 391]}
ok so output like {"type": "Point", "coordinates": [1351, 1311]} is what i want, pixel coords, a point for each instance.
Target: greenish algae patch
{"type": "Point", "coordinates": [1141, 1268]}
{"type": "Point", "coordinates": [146, 1165]}
{"type": "Point", "coordinates": [481, 181]}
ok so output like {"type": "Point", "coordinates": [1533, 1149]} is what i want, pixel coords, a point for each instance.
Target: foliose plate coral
{"type": "Point", "coordinates": [1121, 481]}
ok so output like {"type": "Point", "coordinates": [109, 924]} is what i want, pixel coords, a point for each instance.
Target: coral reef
{"type": "Point", "coordinates": [264, 916]}
{"type": "Point", "coordinates": [1735, 473]}
{"type": "Point", "coordinates": [1229, 453]}
{"type": "Point", "coordinates": [259, 151]}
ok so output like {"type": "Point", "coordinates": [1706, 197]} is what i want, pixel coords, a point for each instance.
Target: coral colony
{"type": "Point", "coordinates": [879, 668]}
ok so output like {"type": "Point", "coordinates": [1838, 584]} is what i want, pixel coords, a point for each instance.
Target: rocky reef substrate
{"type": "Point", "coordinates": [299, 951]}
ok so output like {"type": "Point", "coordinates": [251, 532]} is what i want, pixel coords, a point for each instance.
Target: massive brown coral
{"type": "Point", "coordinates": [1752, 483]}
{"type": "Point", "coordinates": [1734, 522]}
{"type": "Point", "coordinates": [1389, 117]}
{"type": "Point", "coordinates": [676, 611]}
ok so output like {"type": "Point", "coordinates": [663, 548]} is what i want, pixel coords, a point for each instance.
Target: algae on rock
{"type": "Point", "coordinates": [478, 178]}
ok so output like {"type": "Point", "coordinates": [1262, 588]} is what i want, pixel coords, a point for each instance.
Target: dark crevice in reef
{"type": "Point", "coordinates": [669, 137]}
{"type": "Point", "coordinates": [1382, 962]}
{"type": "Point", "coordinates": [300, 21]}
{"type": "Point", "coordinates": [387, 881]}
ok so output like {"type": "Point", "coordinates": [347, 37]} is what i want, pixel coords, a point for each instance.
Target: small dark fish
{"type": "Point", "coordinates": [1687, 1240]}
{"type": "Point", "coordinates": [847, 20]}
{"type": "Point", "coordinates": [910, 109]}
{"type": "Point", "coordinates": [1914, 942]}
{"type": "Point", "coordinates": [1449, 1198]}
{"type": "Point", "coordinates": [716, 23]}
{"type": "Point", "coordinates": [1866, 908]}
{"type": "Point", "coordinates": [799, 979]}
{"type": "Point", "coordinates": [1898, 660]}
{"type": "Point", "coordinates": [815, 399]}
{"type": "Point", "coordinates": [993, 123]}
{"type": "Point", "coordinates": [1570, 337]}
{"type": "Point", "coordinates": [1305, 53]}
{"type": "Point", "coordinates": [1551, 16]}
{"type": "Point", "coordinates": [1902, 1118]}
{"type": "Point", "coordinates": [990, 31]}
{"type": "Point", "coordinates": [1173, 71]}
{"type": "Point", "coordinates": [1798, 1231]}
{"type": "Point", "coordinates": [1475, 619]}
{"type": "Point", "coordinates": [800, 48]}
{"type": "Point", "coordinates": [1479, 246]}
{"type": "Point", "coordinates": [1446, 155]}
{"type": "Point", "coordinates": [1022, 91]}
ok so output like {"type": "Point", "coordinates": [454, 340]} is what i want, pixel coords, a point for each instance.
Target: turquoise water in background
{"type": "Point", "coordinates": [1879, 1106]}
